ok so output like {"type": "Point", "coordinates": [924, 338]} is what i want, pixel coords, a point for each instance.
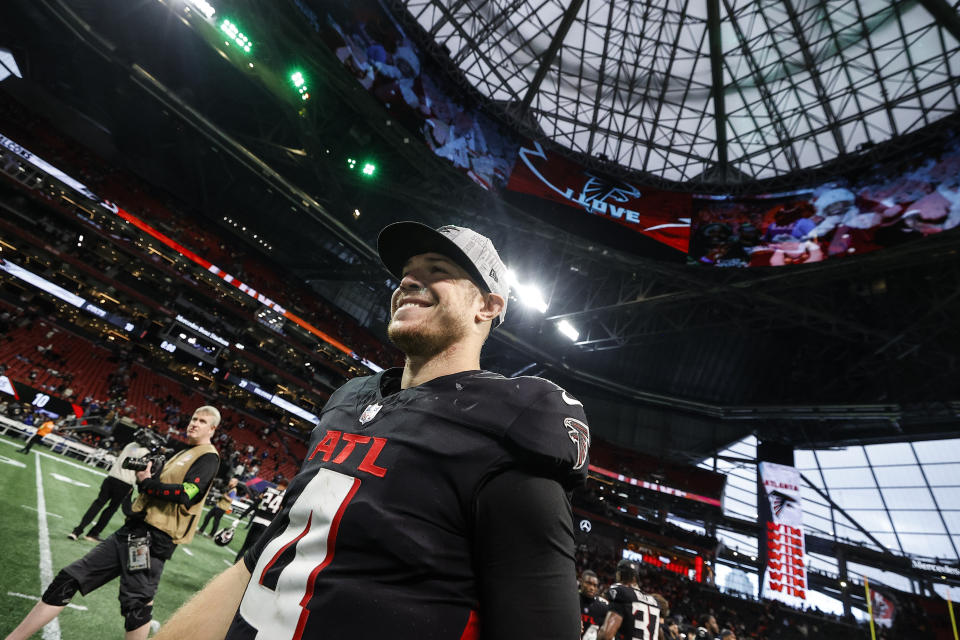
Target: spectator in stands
{"type": "Point", "coordinates": [727, 634]}
{"type": "Point", "coordinates": [708, 629]}
{"type": "Point", "coordinates": [671, 629]}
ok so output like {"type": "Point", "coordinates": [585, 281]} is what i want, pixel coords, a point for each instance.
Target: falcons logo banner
{"type": "Point", "coordinates": [781, 510]}
{"type": "Point", "coordinates": [659, 214]}
{"type": "Point", "coordinates": [580, 436]}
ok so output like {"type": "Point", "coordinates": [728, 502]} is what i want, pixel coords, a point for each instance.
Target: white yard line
{"type": "Point", "coordinates": [56, 457]}
{"type": "Point", "coordinates": [228, 563]}
{"type": "Point", "coordinates": [52, 630]}
{"type": "Point", "coordinates": [63, 460]}
{"type": "Point", "coordinates": [26, 506]}
{"type": "Point", "coordinates": [78, 607]}
{"type": "Point", "coordinates": [187, 551]}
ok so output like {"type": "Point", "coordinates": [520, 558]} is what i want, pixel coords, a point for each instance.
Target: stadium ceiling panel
{"type": "Point", "coordinates": [801, 82]}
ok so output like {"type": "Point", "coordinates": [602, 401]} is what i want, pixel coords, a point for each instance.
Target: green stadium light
{"type": "Point", "coordinates": [300, 84]}
{"type": "Point", "coordinates": [369, 169]}
{"type": "Point", "coordinates": [233, 32]}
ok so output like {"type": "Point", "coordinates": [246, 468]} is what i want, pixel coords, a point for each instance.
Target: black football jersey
{"type": "Point", "coordinates": [592, 613]}
{"type": "Point", "coordinates": [640, 613]}
{"type": "Point", "coordinates": [268, 506]}
{"type": "Point", "coordinates": [374, 538]}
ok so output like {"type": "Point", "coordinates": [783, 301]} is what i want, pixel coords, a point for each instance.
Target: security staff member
{"type": "Point", "coordinates": [164, 515]}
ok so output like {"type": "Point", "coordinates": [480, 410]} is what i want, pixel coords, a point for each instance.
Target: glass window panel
{"type": "Point", "coordinates": [917, 522]}
{"type": "Point", "coordinates": [849, 457]}
{"type": "Point", "coordinates": [908, 499]}
{"type": "Point", "coordinates": [899, 476]}
{"type": "Point", "coordinates": [929, 546]}
{"type": "Point", "coordinates": [893, 453]}
{"type": "Point", "coordinates": [847, 478]}
{"type": "Point", "coordinates": [815, 509]}
{"type": "Point", "coordinates": [858, 498]}
{"type": "Point", "coordinates": [947, 497]}
{"type": "Point", "coordinates": [804, 460]}
{"type": "Point", "coordinates": [939, 475]}
{"type": "Point", "coordinates": [938, 450]}
{"type": "Point", "coordinates": [813, 476]}
{"type": "Point", "coordinates": [894, 580]}
{"type": "Point", "coordinates": [824, 563]}
{"type": "Point", "coordinates": [946, 591]}
{"type": "Point", "coordinates": [851, 534]}
{"type": "Point", "coordinates": [888, 540]}
{"type": "Point", "coordinates": [952, 518]}
{"type": "Point", "coordinates": [872, 521]}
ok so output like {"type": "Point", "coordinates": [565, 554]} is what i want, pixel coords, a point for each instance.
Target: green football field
{"type": "Point", "coordinates": [42, 498]}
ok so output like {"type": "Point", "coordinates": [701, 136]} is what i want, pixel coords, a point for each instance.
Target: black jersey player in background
{"type": "Point", "coordinates": [633, 615]}
{"type": "Point", "coordinates": [431, 504]}
{"type": "Point", "coordinates": [268, 505]}
{"type": "Point", "coordinates": [593, 607]}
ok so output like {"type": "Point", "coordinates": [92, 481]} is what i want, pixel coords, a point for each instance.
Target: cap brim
{"type": "Point", "coordinates": [400, 241]}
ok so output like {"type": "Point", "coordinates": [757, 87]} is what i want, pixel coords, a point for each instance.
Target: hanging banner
{"type": "Point", "coordinates": [661, 215]}
{"type": "Point", "coordinates": [782, 557]}
{"type": "Point", "coordinates": [883, 608]}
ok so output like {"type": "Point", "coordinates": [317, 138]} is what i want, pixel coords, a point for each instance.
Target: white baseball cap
{"type": "Point", "coordinates": [400, 241]}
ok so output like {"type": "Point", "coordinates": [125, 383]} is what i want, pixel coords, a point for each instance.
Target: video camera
{"type": "Point", "coordinates": [157, 452]}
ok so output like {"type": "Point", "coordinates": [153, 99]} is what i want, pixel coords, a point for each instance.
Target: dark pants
{"type": "Point", "coordinates": [32, 441]}
{"type": "Point", "coordinates": [107, 561]}
{"type": "Point", "coordinates": [256, 530]}
{"type": "Point", "coordinates": [216, 513]}
{"type": "Point", "coordinates": [113, 493]}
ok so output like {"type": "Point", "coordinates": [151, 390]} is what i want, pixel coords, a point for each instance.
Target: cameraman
{"type": "Point", "coordinates": [164, 515]}
{"type": "Point", "coordinates": [114, 491]}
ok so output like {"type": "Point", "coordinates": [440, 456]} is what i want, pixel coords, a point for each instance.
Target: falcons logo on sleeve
{"type": "Point", "coordinates": [580, 436]}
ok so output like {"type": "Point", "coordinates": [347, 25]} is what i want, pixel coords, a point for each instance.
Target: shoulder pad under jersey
{"type": "Point", "coordinates": [552, 425]}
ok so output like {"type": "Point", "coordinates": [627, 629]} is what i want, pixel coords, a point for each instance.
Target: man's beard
{"type": "Point", "coordinates": [426, 339]}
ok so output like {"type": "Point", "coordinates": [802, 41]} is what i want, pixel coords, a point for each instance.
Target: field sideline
{"type": "Point", "coordinates": [32, 556]}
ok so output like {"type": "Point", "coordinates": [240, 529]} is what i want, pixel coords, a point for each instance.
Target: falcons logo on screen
{"type": "Point", "coordinates": [781, 502]}
{"type": "Point", "coordinates": [601, 190]}
{"type": "Point", "coordinates": [580, 436]}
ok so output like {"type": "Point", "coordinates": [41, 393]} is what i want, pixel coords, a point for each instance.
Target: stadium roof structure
{"type": "Point", "coordinates": [902, 498]}
{"type": "Point", "coordinates": [715, 90]}
{"type": "Point", "coordinates": [677, 360]}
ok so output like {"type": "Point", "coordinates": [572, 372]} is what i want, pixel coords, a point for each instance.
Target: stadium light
{"type": "Point", "coordinates": [369, 169]}
{"type": "Point", "coordinates": [528, 294]}
{"type": "Point", "coordinates": [234, 33]}
{"type": "Point", "coordinates": [300, 84]}
{"type": "Point", "coordinates": [567, 329]}
{"type": "Point", "coordinates": [203, 7]}
{"type": "Point", "coordinates": [351, 163]}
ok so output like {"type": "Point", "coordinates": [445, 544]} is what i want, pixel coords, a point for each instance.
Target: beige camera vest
{"type": "Point", "coordinates": [176, 520]}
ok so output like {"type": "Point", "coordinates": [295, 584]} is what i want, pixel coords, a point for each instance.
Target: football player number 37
{"type": "Point", "coordinates": [646, 621]}
{"type": "Point", "coordinates": [282, 582]}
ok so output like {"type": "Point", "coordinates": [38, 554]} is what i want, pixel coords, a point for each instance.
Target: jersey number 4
{"type": "Point", "coordinates": [646, 621]}
{"type": "Point", "coordinates": [282, 582]}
